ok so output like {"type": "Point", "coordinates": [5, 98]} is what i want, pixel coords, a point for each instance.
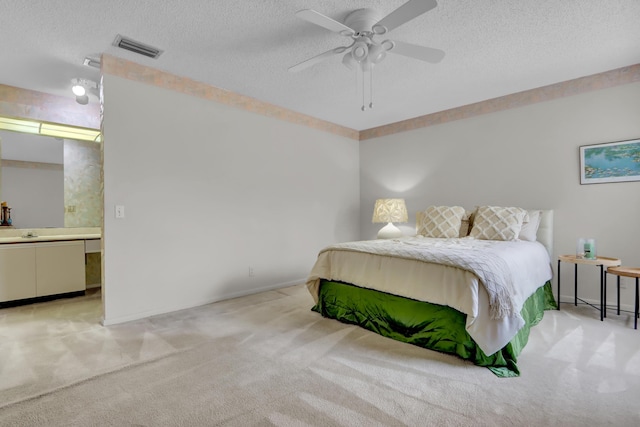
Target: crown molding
{"type": "Point", "coordinates": [140, 73]}
{"type": "Point", "coordinates": [607, 79]}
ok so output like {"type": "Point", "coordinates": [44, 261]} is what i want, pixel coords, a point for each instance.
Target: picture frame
{"type": "Point", "coordinates": [610, 162]}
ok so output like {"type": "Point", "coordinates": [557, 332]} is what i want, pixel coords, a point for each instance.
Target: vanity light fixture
{"type": "Point", "coordinates": [49, 129]}
{"type": "Point", "coordinates": [390, 211]}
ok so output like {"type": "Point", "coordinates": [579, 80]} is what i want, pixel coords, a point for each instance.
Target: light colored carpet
{"type": "Point", "coordinates": [266, 359]}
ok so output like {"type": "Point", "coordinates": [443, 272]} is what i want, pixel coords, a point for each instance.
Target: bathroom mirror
{"type": "Point", "coordinates": [50, 181]}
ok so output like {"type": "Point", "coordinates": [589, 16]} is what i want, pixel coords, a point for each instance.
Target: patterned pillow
{"type": "Point", "coordinates": [441, 221]}
{"type": "Point", "coordinates": [497, 223]}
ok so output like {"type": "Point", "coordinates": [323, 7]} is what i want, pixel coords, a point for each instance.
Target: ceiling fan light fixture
{"type": "Point", "coordinates": [363, 26]}
{"type": "Point", "coordinates": [348, 61]}
{"type": "Point", "coordinates": [360, 51]}
{"type": "Point", "coordinates": [377, 53]}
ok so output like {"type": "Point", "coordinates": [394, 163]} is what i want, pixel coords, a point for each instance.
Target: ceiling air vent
{"type": "Point", "coordinates": [136, 47]}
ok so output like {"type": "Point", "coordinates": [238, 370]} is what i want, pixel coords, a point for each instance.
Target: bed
{"type": "Point", "coordinates": [471, 284]}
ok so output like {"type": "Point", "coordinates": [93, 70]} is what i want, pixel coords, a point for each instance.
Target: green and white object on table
{"type": "Point", "coordinates": [586, 248]}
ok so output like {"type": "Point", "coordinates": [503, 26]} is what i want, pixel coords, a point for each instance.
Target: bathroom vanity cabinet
{"type": "Point", "coordinates": [41, 269]}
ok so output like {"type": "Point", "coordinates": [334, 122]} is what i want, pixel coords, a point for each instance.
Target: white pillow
{"type": "Point", "coordinates": [440, 221]}
{"type": "Point", "coordinates": [529, 229]}
{"type": "Point", "coordinates": [497, 223]}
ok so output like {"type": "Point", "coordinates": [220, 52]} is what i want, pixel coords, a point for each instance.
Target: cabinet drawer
{"type": "Point", "coordinates": [92, 246]}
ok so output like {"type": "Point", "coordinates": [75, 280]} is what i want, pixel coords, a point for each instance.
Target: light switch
{"type": "Point", "coordinates": [119, 211]}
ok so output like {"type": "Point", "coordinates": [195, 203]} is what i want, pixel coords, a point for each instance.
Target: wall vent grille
{"type": "Point", "coordinates": [136, 47]}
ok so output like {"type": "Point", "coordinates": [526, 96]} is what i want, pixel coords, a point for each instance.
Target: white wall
{"type": "Point", "coordinates": [210, 190]}
{"type": "Point", "coordinates": [525, 157]}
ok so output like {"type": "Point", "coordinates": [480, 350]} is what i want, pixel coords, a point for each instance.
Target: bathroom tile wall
{"type": "Point", "coordinates": [82, 192]}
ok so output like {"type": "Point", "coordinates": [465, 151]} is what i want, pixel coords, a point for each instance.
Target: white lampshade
{"type": "Point", "coordinates": [389, 211]}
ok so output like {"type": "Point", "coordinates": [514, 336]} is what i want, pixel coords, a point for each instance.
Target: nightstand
{"type": "Point", "coordinates": [633, 272]}
{"type": "Point", "coordinates": [601, 262]}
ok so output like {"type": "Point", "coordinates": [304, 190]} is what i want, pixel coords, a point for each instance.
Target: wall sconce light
{"type": "Point", "coordinates": [81, 89]}
{"type": "Point", "coordinates": [390, 211]}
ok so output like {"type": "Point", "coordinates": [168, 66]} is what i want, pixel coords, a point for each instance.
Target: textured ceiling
{"type": "Point", "coordinates": [493, 48]}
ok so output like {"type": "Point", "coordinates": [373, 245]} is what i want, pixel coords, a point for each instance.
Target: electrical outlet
{"type": "Point", "coordinates": [252, 273]}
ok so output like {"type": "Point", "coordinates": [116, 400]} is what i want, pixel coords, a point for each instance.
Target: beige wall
{"type": "Point", "coordinates": [527, 157]}
{"type": "Point", "coordinates": [210, 190]}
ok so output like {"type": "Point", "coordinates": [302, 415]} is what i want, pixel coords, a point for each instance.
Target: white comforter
{"type": "Point", "coordinates": [489, 281]}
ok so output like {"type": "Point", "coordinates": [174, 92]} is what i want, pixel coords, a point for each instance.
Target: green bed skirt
{"type": "Point", "coordinates": [427, 325]}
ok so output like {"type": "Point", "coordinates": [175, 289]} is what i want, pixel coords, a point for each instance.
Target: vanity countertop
{"type": "Point", "coordinates": [49, 235]}
{"type": "Point", "coordinates": [49, 238]}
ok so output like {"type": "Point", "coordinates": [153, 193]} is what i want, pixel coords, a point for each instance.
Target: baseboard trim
{"type": "Point", "coordinates": [26, 301]}
{"type": "Point", "coordinates": [224, 297]}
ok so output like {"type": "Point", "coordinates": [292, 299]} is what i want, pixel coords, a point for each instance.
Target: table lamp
{"type": "Point", "coordinates": [389, 211]}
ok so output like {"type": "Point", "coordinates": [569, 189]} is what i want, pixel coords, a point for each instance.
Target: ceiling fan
{"type": "Point", "coordinates": [362, 26]}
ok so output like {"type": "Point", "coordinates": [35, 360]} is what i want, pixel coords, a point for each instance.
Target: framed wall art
{"type": "Point", "coordinates": [610, 162]}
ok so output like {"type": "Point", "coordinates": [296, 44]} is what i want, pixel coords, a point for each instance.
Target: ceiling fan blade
{"type": "Point", "coordinates": [318, 58]}
{"type": "Point", "coordinates": [405, 13]}
{"type": "Point", "coordinates": [324, 21]}
{"type": "Point", "coordinates": [422, 53]}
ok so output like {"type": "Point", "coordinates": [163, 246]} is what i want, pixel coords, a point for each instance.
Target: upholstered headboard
{"type": "Point", "coordinates": [545, 231]}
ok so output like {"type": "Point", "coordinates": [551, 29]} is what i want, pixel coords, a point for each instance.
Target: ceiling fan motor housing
{"type": "Point", "coordinates": [362, 21]}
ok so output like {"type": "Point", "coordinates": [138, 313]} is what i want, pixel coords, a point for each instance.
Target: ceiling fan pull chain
{"type": "Point", "coordinates": [371, 88]}
{"type": "Point", "coordinates": [363, 86]}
